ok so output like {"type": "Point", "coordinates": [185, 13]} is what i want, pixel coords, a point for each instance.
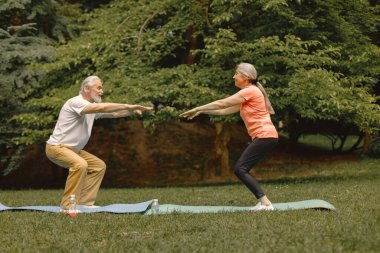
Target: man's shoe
{"type": "Point", "coordinates": [261, 207]}
{"type": "Point", "coordinates": [71, 213]}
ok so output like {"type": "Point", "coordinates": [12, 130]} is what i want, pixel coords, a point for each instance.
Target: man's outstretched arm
{"type": "Point", "coordinates": [112, 107]}
{"type": "Point", "coordinates": [125, 113]}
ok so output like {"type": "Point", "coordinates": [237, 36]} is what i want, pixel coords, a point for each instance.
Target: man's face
{"type": "Point", "coordinates": [96, 91]}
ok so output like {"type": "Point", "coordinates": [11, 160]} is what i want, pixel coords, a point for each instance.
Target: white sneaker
{"type": "Point", "coordinates": [71, 213]}
{"type": "Point", "coordinates": [261, 207]}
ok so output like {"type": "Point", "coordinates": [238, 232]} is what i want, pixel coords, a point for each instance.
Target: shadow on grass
{"type": "Point", "coordinates": [290, 180]}
{"type": "Point", "coordinates": [321, 178]}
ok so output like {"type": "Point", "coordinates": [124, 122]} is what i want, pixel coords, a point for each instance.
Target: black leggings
{"type": "Point", "coordinates": [256, 150]}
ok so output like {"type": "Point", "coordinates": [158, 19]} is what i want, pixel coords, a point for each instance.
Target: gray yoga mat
{"type": "Point", "coordinates": [305, 204]}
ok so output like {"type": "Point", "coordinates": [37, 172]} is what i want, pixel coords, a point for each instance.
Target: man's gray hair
{"type": "Point", "coordinates": [89, 81]}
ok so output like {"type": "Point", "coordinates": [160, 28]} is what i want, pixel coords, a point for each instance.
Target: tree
{"type": "Point", "coordinates": [183, 53]}
{"type": "Point", "coordinates": [26, 32]}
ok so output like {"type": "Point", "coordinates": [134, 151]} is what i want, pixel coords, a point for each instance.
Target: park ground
{"type": "Point", "coordinates": [351, 186]}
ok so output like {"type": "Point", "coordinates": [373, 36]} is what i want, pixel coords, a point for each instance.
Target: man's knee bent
{"type": "Point", "coordinates": [103, 165]}
{"type": "Point", "coordinates": [79, 166]}
{"type": "Point", "coordinates": [100, 166]}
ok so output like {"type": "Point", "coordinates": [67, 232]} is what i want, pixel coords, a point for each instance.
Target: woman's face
{"type": "Point", "coordinates": [241, 80]}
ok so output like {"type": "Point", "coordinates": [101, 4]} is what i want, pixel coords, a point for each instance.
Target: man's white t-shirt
{"type": "Point", "coordinates": [72, 128]}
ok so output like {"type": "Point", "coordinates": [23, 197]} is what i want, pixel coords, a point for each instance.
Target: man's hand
{"type": "Point", "coordinates": [137, 112]}
{"type": "Point", "coordinates": [139, 109]}
{"type": "Point", "coordinates": [130, 110]}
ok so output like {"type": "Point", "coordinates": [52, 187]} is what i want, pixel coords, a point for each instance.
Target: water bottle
{"type": "Point", "coordinates": [73, 212]}
{"type": "Point", "coordinates": [155, 207]}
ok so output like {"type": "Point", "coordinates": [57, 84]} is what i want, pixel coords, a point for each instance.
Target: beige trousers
{"type": "Point", "coordinates": [86, 173]}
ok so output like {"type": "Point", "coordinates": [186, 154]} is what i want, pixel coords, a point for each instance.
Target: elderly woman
{"type": "Point", "coordinates": [255, 108]}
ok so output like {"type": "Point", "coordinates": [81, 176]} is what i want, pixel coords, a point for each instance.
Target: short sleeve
{"type": "Point", "coordinates": [77, 104]}
{"type": "Point", "coordinates": [249, 93]}
{"type": "Point", "coordinates": [245, 94]}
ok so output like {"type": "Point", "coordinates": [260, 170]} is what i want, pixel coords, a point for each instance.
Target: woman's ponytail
{"type": "Point", "coordinates": [267, 101]}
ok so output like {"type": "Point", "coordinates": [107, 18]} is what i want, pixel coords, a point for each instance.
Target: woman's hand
{"type": "Point", "coordinates": [190, 114]}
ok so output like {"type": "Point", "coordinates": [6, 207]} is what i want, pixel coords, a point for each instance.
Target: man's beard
{"type": "Point", "coordinates": [96, 98]}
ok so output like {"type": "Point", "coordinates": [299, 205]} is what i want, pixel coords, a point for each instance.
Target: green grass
{"type": "Point", "coordinates": [353, 188]}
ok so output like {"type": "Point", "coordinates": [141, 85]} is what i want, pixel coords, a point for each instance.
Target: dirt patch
{"type": "Point", "coordinates": [177, 153]}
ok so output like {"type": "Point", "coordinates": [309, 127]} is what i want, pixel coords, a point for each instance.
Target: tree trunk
{"type": "Point", "coordinates": [218, 163]}
{"type": "Point", "coordinates": [194, 43]}
{"type": "Point", "coordinates": [367, 143]}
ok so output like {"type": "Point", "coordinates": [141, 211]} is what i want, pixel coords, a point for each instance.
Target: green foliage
{"type": "Point", "coordinates": [25, 28]}
{"type": "Point", "coordinates": [319, 60]}
{"type": "Point", "coordinates": [325, 95]}
{"type": "Point", "coordinates": [18, 48]}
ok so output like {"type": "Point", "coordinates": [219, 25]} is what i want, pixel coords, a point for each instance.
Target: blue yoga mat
{"type": "Point", "coordinates": [144, 207]}
{"type": "Point", "coordinates": [115, 208]}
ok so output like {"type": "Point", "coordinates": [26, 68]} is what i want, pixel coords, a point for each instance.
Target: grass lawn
{"type": "Point", "coordinates": [352, 187]}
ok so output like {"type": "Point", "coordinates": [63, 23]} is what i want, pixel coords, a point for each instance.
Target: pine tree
{"type": "Point", "coordinates": [28, 32]}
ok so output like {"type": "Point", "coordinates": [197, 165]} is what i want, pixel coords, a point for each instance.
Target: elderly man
{"type": "Point", "coordinates": [72, 132]}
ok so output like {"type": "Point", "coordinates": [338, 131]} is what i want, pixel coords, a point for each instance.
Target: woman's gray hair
{"type": "Point", "coordinates": [89, 81]}
{"type": "Point", "coordinates": [250, 71]}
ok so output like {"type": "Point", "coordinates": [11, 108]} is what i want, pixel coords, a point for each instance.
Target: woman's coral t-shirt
{"type": "Point", "coordinates": [255, 114]}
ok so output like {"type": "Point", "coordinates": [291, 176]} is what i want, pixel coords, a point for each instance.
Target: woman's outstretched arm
{"type": "Point", "coordinates": [232, 101]}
